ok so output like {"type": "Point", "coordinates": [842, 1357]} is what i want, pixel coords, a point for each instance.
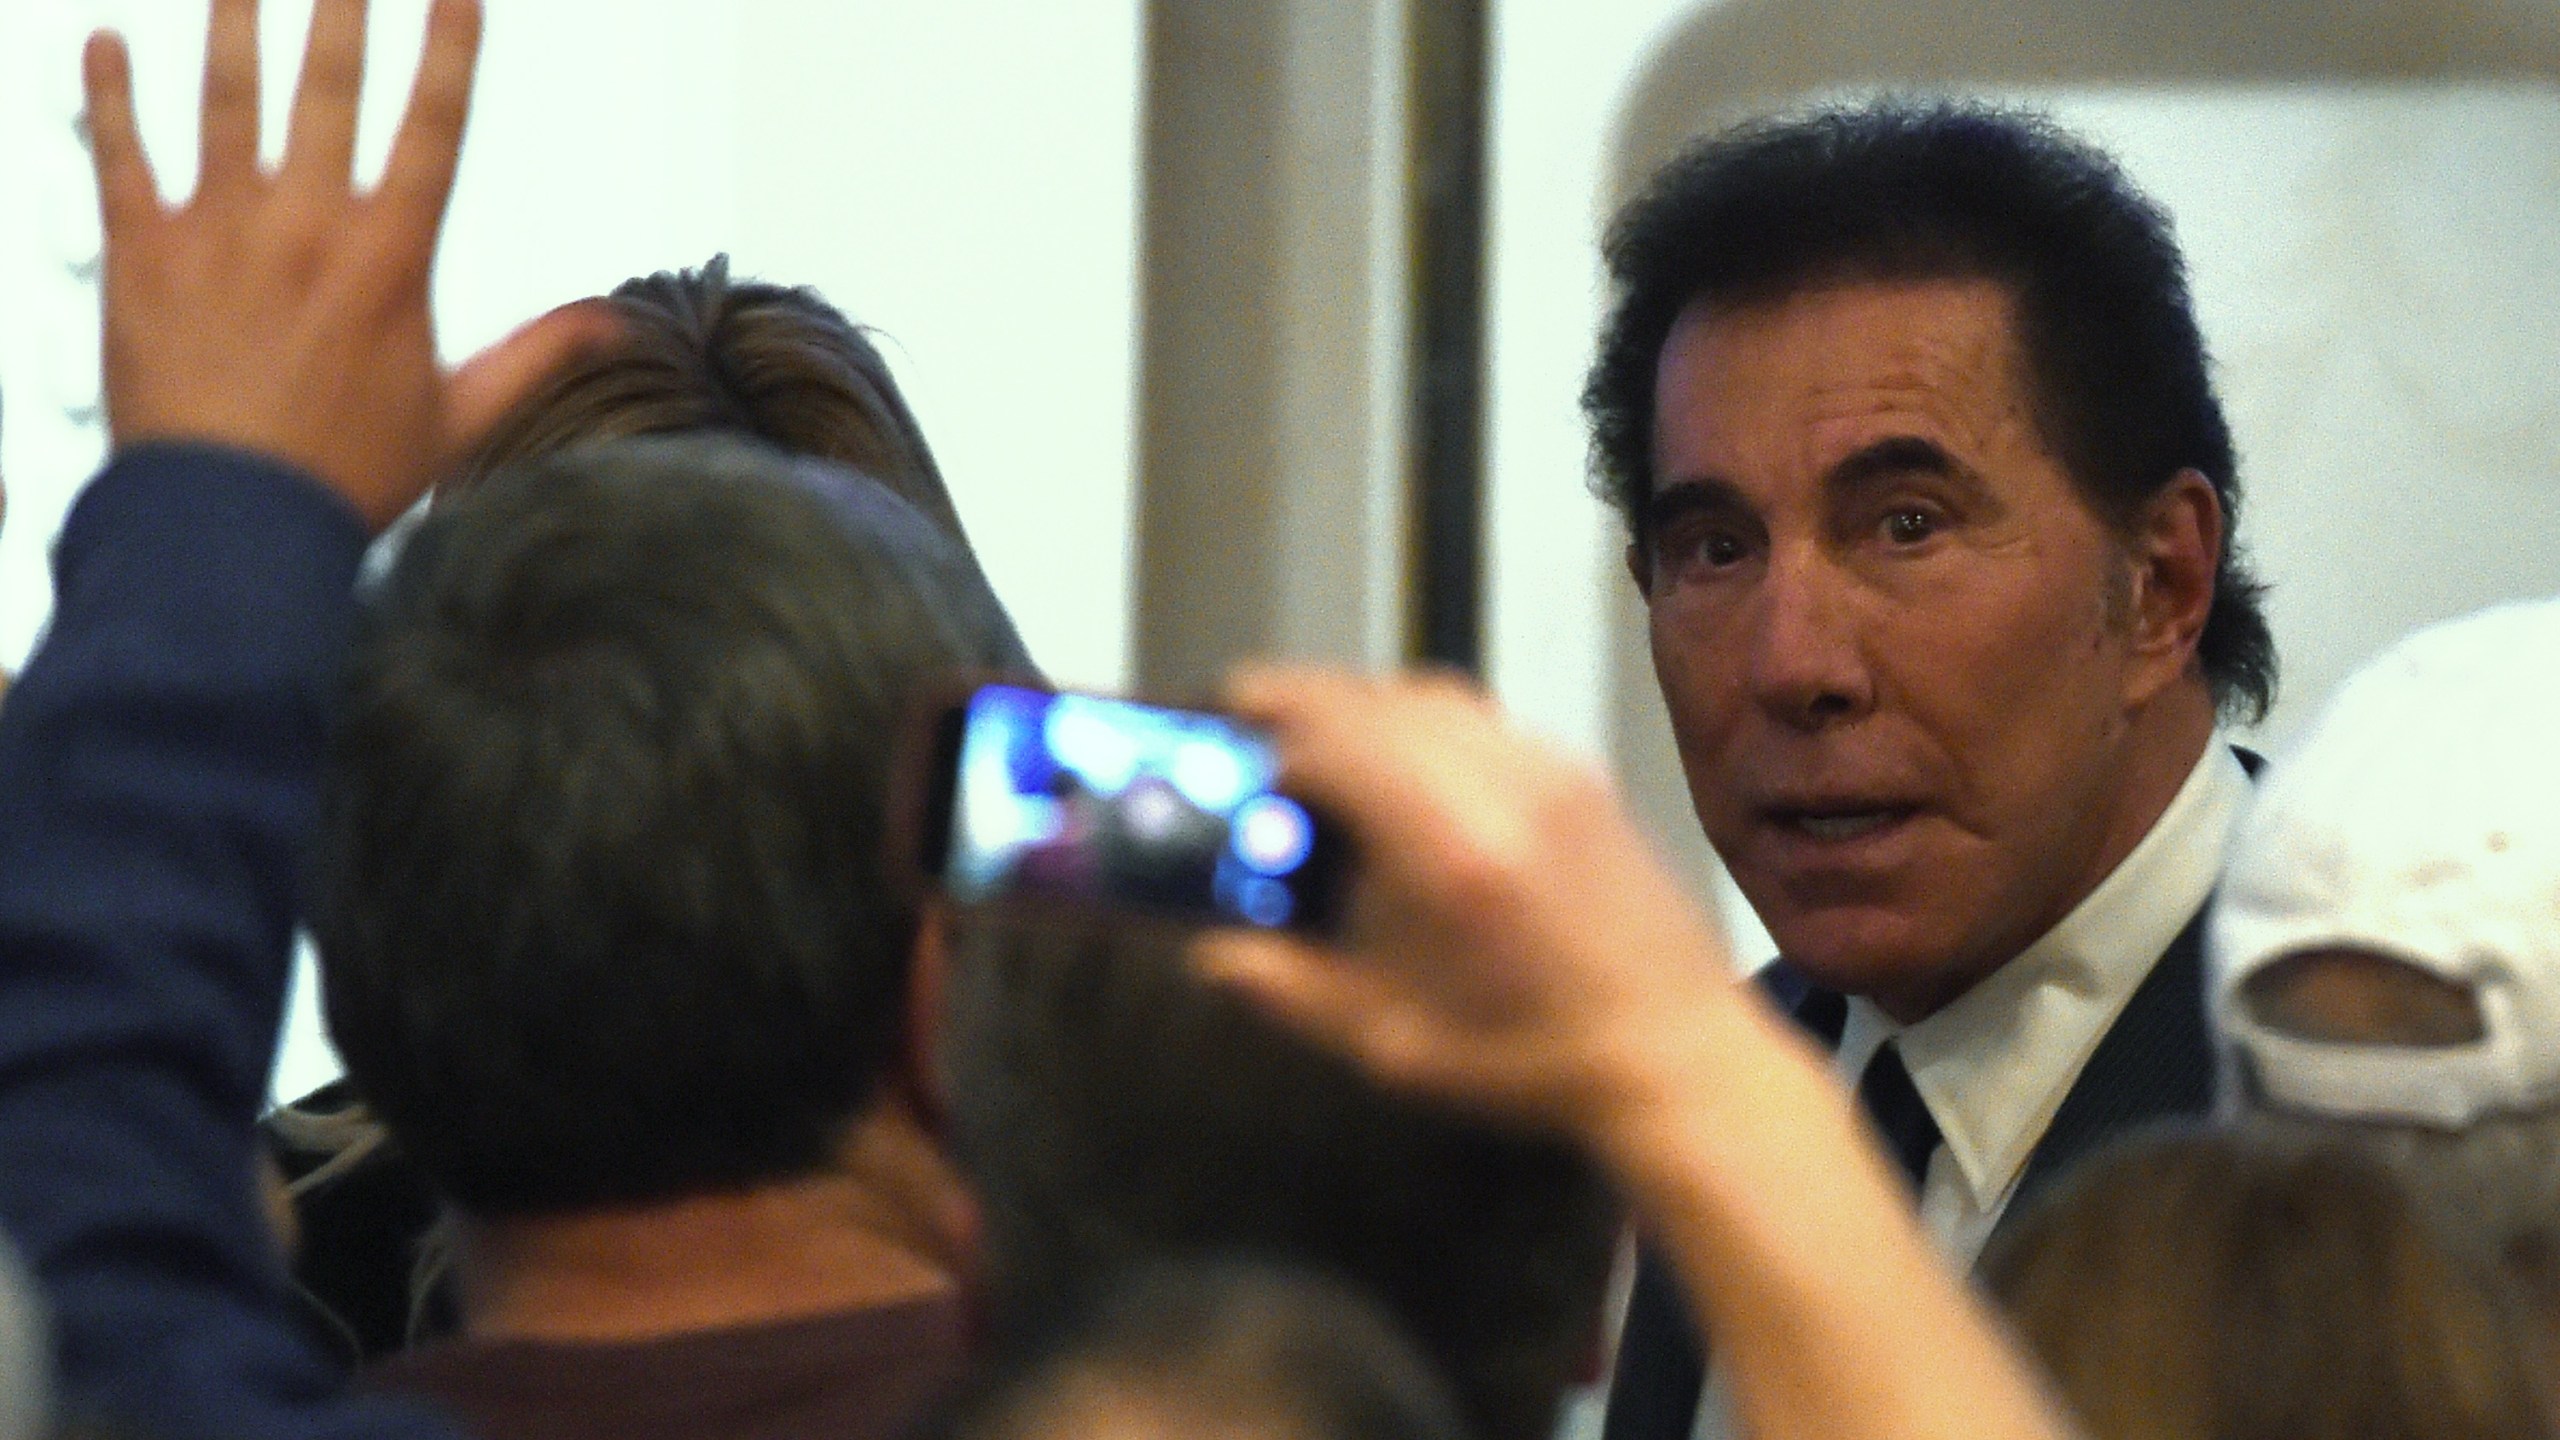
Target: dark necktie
{"type": "Point", "coordinates": [1900, 1115]}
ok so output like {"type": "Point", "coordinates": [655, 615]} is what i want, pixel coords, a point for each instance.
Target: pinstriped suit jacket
{"type": "Point", "coordinates": [2156, 1063]}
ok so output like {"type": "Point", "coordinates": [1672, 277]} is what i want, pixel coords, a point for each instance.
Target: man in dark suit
{"type": "Point", "coordinates": [1930, 501]}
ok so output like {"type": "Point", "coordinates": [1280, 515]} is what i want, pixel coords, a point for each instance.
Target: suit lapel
{"type": "Point", "coordinates": [2155, 1064]}
{"type": "Point", "coordinates": [1819, 1013]}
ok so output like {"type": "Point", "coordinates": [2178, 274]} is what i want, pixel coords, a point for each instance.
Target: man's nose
{"type": "Point", "coordinates": [1808, 661]}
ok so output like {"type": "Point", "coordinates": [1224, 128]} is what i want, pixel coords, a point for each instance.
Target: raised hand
{"type": "Point", "coordinates": [280, 310]}
{"type": "Point", "coordinates": [1512, 943]}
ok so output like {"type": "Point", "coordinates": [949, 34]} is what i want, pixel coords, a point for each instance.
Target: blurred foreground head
{"type": "Point", "coordinates": [702, 352]}
{"type": "Point", "coordinates": [604, 912]}
{"type": "Point", "coordinates": [1217, 1352]}
{"type": "Point", "coordinates": [1113, 1110]}
{"type": "Point", "coordinates": [2386, 946]}
{"type": "Point", "coordinates": [2212, 1287]}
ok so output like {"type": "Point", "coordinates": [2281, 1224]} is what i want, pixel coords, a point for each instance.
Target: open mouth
{"type": "Point", "coordinates": [1835, 826]}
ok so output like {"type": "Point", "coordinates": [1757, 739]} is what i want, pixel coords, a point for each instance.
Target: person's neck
{"type": "Point", "coordinates": [2168, 739]}
{"type": "Point", "coordinates": [890, 1224]}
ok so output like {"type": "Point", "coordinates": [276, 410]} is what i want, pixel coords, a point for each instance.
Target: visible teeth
{"type": "Point", "coordinates": [1844, 827]}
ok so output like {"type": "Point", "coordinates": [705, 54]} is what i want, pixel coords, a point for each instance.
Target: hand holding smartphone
{"type": "Point", "coordinates": [1048, 796]}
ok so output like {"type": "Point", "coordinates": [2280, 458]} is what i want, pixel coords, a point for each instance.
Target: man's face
{"type": "Point", "coordinates": [1891, 633]}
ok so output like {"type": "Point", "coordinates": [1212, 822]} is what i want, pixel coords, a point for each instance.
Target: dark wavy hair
{"type": "Point", "coordinates": [1901, 189]}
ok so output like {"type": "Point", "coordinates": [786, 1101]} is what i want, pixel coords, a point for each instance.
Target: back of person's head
{"type": "Point", "coordinates": [1899, 190]}
{"type": "Point", "coordinates": [2214, 1287]}
{"type": "Point", "coordinates": [1111, 1109]}
{"type": "Point", "coordinates": [699, 351]}
{"type": "Point", "coordinates": [26, 1363]}
{"type": "Point", "coordinates": [1215, 1351]}
{"type": "Point", "coordinates": [2385, 949]}
{"type": "Point", "coordinates": [604, 911]}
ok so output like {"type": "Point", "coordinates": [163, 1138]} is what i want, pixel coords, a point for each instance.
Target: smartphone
{"type": "Point", "coordinates": [1085, 799]}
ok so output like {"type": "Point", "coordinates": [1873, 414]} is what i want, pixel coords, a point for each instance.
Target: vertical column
{"type": "Point", "coordinates": [1274, 329]}
{"type": "Point", "coordinates": [1446, 149]}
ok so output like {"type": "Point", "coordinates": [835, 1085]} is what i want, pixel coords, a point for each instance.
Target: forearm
{"type": "Point", "coordinates": [159, 775]}
{"type": "Point", "coordinates": [1830, 1313]}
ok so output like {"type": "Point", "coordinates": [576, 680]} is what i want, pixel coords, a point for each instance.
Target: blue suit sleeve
{"type": "Point", "coordinates": [159, 777]}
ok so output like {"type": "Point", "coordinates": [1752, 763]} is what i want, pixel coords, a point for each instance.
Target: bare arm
{"type": "Point", "coordinates": [1514, 945]}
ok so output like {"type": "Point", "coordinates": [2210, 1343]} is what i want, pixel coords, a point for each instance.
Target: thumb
{"type": "Point", "coordinates": [485, 388]}
{"type": "Point", "coordinates": [1316, 994]}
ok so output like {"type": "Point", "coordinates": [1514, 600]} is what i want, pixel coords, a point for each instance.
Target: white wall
{"type": "Point", "coordinates": [960, 174]}
{"type": "Point", "coordinates": [2375, 272]}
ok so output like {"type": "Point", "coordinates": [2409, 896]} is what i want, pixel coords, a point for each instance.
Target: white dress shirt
{"type": "Point", "coordinates": [1994, 1065]}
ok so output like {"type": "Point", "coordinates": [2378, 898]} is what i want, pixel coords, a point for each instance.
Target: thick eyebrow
{"type": "Point", "coordinates": [1893, 456]}
{"type": "Point", "coordinates": [1860, 470]}
{"type": "Point", "coordinates": [1683, 496]}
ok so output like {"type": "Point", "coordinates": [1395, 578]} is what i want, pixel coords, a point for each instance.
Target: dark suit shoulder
{"type": "Point", "coordinates": [1821, 1013]}
{"type": "Point", "coordinates": [2155, 1064]}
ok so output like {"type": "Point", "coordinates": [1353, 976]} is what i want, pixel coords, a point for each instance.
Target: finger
{"type": "Point", "coordinates": [320, 147]}
{"type": "Point", "coordinates": [1333, 1002]}
{"type": "Point", "coordinates": [228, 159]}
{"type": "Point", "coordinates": [1303, 706]}
{"type": "Point", "coordinates": [491, 384]}
{"type": "Point", "coordinates": [1330, 726]}
{"type": "Point", "coordinates": [127, 192]}
{"type": "Point", "coordinates": [418, 179]}
{"type": "Point", "coordinates": [1274, 693]}
{"type": "Point", "coordinates": [1311, 992]}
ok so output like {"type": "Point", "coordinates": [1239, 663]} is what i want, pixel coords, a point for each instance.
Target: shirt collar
{"type": "Point", "coordinates": [1995, 1065]}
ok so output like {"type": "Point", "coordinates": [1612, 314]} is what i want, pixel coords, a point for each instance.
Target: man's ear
{"type": "Point", "coordinates": [1640, 568]}
{"type": "Point", "coordinates": [2176, 554]}
{"type": "Point", "coordinates": [928, 971]}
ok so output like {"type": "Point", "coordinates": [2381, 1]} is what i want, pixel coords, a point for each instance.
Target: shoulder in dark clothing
{"type": "Point", "coordinates": [861, 1375]}
{"type": "Point", "coordinates": [159, 778]}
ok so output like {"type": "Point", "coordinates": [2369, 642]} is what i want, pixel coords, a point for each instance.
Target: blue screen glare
{"type": "Point", "coordinates": [1082, 796]}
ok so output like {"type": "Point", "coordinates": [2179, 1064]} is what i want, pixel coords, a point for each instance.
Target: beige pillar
{"type": "Point", "coordinates": [1271, 377]}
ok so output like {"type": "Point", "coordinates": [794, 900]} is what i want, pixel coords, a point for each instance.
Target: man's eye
{"type": "Point", "coordinates": [1718, 549]}
{"type": "Point", "coordinates": [1704, 552]}
{"type": "Point", "coordinates": [1695, 548]}
{"type": "Point", "coordinates": [1910, 526]}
